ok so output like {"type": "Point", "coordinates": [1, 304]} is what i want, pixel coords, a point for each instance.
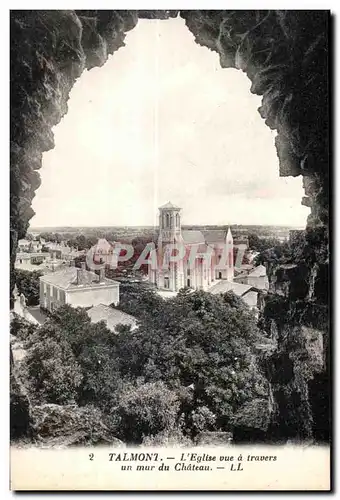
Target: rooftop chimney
{"type": "Point", "coordinates": [81, 274]}
{"type": "Point", "coordinates": [80, 280]}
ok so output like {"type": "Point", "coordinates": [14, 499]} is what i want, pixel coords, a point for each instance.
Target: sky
{"type": "Point", "coordinates": [162, 121]}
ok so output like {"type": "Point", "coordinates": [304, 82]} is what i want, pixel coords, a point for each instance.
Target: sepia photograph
{"type": "Point", "coordinates": [169, 250]}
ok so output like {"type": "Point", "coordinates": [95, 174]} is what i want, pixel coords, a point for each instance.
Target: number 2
{"type": "Point", "coordinates": [91, 455]}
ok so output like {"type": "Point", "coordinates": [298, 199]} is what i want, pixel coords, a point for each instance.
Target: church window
{"type": "Point", "coordinates": [220, 275]}
{"type": "Point", "coordinates": [188, 271]}
{"type": "Point", "coordinates": [166, 282]}
{"type": "Point", "coordinates": [188, 282]}
{"type": "Point", "coordinates": [177, 220]}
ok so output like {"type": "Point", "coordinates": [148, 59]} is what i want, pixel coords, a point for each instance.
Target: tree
{"type": "Point", "coordinates": [28, 283]}
{"type": "Point", "coordinates": [140, 300]}
{"type": "Point", "coordinates": [202, 340]}
{"type": "Point", "coordinates": [146, 410]}
{"type": "Point", "coordinates": [21, 328]}
{"type": "Point", "coordinates": [53, 371]}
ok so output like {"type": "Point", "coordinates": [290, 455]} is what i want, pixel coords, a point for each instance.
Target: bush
{"type": "Point", "coordinates": [146, 410]}
{"type": "Point", "coordinates": [54, 372]}
{"type": "Point", "coordinates": [203, 419]}
{"type": "Point", "coordinates": [28, 283]}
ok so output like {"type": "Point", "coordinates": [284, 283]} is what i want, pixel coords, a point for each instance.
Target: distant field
{"type": "Point", "coordinates": [134, 231]}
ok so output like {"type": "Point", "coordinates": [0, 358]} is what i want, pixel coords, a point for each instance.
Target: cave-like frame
{"type": "Point", "coordinates": [284, 53]}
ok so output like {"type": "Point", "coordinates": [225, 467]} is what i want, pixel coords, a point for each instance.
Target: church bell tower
{"type": "Point", "coordinates": [169, 224]}
{"type": "Point", "coordinates": [170, 276]}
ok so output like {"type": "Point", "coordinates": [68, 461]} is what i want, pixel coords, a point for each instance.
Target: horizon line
{"type": "Point", "coordinates": [75, 226]}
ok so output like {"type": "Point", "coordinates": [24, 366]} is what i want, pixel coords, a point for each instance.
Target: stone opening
{"type": "Point", "coordinates": [161, 114]}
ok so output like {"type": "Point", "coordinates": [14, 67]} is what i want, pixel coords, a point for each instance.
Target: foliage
{"type": "Point", "coordinates": [21, 328]}
{"type": "Point", "coordinates": [202, 340]}
{"type": "Point", "coordinates": [71, 425]}
{"type": "Point", "coordinates": [140, 300]}
{"type": "Point", "coordinates": [53, 370]}
{"type": "Point", "coordinates": [145, 410]}
{"type": "Point", "coordinates": [28, 283]}
{"type": "Point", "coordinates": [189, 367]}
{"type": "Point", "coordinates": [261, 244]}
{"type": "Point", "coordinates": [203, 419]}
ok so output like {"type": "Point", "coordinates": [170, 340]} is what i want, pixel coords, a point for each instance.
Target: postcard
{"type": "Point", "coordinates": [169, 266]}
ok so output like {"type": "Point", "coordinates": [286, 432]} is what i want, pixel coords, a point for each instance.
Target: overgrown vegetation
{"type": "Point", "coordinates": [190, 367]}
{"type": "Point", "coordinates": [28, 283]}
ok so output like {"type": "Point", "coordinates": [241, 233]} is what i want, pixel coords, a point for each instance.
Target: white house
{"type": "Point", "coordinates": [78, 288]}
{"type": "Point", "coordinates": [255, 276]}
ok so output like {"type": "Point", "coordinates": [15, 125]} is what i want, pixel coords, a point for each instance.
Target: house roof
{"type": "Point", "coordinates": [67, 278]}
{"type": "Point", "coordinates": [170, 205]}
{"type": "Point", "coordinates": [230, 286]}
{"type": "Point", "coordinates": [111, 316]}
{"type": "Point", "coordinates": [241, 275]}
{"type": "Point", "coordinates": [103, 244]}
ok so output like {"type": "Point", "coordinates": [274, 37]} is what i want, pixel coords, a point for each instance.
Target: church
{"type": "Point", "coordinates": [207, 255]}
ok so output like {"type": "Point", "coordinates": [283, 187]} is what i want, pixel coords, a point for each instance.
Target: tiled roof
{"type": "Point", "coordinates": [111, 316]}
{"type": "Point", "coordinates": [229, 286]}
{"type": "Point", "coordinates": [67, 278]}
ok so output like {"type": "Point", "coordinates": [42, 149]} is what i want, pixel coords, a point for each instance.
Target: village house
{"type": "Point", "coordinates": [78, 288]}
{"type": "Point", "coordinates": [30, 261]}
{"type": "Point", "coordinates": [31, 246]}
{"type": "Point", "coordinates": [251, 295]}
{"type": "Point", "coordinates": [63, 251]}
{"type": "Point", "coordinates": [103, 252]}
{"type": "Point", "coordinates": [256, 276]}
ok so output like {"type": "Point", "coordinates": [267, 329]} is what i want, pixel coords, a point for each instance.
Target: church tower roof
{"type": "Point", "coordinates": [170, 206]}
